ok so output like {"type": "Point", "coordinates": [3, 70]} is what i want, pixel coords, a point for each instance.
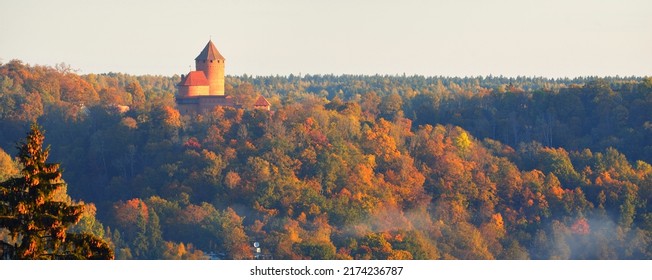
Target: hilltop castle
{"type": "Point", "coordinates": [203, 89]}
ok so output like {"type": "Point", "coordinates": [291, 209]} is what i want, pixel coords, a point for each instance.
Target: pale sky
{"type": "Point", "coordinates": [549, 38]}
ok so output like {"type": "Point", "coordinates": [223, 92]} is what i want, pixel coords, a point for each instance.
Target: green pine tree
{"type": "Point", "coordinates": [35, 214]}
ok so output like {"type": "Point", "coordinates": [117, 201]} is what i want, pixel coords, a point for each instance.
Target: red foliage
{"type": "Point", "coordinates": [126, 213]}
{"type": "Point", "coordinates": [581, 227]}
{"type": "Point", "coordinates": [192, 143]}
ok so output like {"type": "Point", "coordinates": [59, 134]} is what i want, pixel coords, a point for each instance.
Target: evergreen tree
{"type": "Point", "coordinates": [141, 242]}
{"type": "Point", "coordinates": [37, 218]}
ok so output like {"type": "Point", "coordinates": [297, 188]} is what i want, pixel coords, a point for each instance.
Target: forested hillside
{"type": "Point", "coordinates": [348, 167]}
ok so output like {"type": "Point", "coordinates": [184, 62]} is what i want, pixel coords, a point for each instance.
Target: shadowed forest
{"type": "Point", "coordinates": [346, 167]}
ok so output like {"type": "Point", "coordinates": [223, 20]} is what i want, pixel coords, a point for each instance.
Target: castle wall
{"type": "Point", "coordinates": [183, 91]}
{"type": "Point", "coordinates": [197, 90]}
{"type": "Point", "coordinates": [187, 109]}
{"type": "Point", "coordinates": [214, 70]}
{"type": "Point", "coordinates": [187, 105]}
{"type": "Point", "coordinates": [202, 104]}
{"type": "Point", "coordinates": [207, 104]}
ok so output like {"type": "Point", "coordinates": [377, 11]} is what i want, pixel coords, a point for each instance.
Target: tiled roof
{"type": "Point", "coordinates": [209, 53]}
{"type": "Point", "coordinates": [261, 101]}
{"type": "Point", "coordinates": [194, 78]}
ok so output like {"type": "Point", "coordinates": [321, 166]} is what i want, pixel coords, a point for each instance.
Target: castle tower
{"type": "Point", "coordinates": [211, 62]}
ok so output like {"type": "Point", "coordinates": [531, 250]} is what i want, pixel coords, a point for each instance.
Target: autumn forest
{"type": "Point", "coordinates": [342, 167]}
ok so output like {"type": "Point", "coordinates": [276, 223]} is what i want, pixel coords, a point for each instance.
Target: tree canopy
{"type": "Point", "coordinates": [346, 167]}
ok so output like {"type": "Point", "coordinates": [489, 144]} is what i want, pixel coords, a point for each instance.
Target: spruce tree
{"type": "Point", "coordinates": [36, 217]}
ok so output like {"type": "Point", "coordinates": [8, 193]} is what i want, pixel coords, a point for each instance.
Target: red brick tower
{"type": "Point", "coordinates": [211, 62]}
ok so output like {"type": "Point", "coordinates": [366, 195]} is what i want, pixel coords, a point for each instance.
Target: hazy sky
{"type": "Point", "coordinates": [550, 38]}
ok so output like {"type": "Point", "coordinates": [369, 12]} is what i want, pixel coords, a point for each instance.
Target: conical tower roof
{"type": "Point", "coordinates": [210, 53]}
